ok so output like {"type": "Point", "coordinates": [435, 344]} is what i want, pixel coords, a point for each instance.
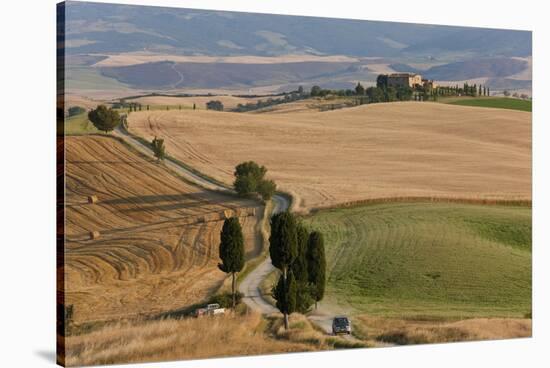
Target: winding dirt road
{"type": "Point", "coordinates": [250, 286]}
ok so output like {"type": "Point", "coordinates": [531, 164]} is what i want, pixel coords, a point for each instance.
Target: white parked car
{"type": "Point", "coordinates": [210, 310]}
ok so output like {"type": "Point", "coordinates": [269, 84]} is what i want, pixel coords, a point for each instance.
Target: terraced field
{"type": "Point", "coordinates": [442, 260]}
{"type": "Point", "coordinates": [158, 235]}
{"type": "Point", "coordinates": [370, 151]}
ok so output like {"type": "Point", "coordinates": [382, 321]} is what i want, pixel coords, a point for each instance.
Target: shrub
{"type": "Point", "coordinates": [75, 110]}
{"type": "Point", "coordinates": [225, 300]}
{"type": "Point", "coordinates": [214, 105]}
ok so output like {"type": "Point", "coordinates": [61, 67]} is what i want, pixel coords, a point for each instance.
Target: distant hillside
{"type": "Point", "coordinates": [470, 69]}
{"type": "Point", "coordinates": [111, 28]}
{"type": "Point", "coordinates": [476, 68]}
{"type": "Point", "coordinates": [218, 75]}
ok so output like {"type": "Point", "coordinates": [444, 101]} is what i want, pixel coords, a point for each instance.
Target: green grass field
{"type": "Point", "coordinates": [438, 260]}
{"type": "Point", "coordinates": [79, 124]}
{"type": "Point", "coordinates": [495, 102]}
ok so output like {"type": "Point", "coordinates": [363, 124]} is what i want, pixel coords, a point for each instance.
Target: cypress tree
{"type": "Point", "coordinates": [317, 265]}
{"type": "Point", "coordinates": [299, 266]}
{"type": "Point", "coordinates": [231, 250]}
{"type": "Point", "coordinates": [285, 295]}
{"type": "Point", "coordinates": [283, 245]}
{"type": "Point", "coordinates": [299, 270]}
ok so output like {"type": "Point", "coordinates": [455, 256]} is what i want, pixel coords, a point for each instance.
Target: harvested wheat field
{"type": "Point", "coordinates": [370, 151]}
{"type": "Point", "coordinates": [148, 242]}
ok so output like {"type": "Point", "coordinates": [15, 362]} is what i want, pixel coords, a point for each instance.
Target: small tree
{"type": "Point", "coordinates": [317, 265]}
{"type": "Point", "coordinates": [158, 148]}
{"type": "Point", "coordinates": [375, 94]}
{"type": "Point", "coordinates": [75, 110]}
{"type": "Point", "coordinates": [315, 91]}
{"type": "Point", "coordinates": [506, 93]}
{"type": "Point", "coordinates": [214, 105]}
{"type": "Point", "coordinates": [249, 179]}
{"type": "Point", "coordinates": [359, 89]}
{"type": "Point", "coordinates": [283, 247]}
{"type": "Point", "coordinates": [232, 251]}
{"type": "Point", "coordinates": [266, 188]}
{"type": "Point", "coordinates": [104, 119]}
{"type": "Point", "coordinates": [382, 81]}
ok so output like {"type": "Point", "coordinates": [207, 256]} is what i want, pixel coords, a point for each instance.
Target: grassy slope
{"type": "Point", "coordinates": [79, 124]}
{"type": "Point", "coordinates": [496, 102]}
{"type": "Point", "coordinates": [436, 259]}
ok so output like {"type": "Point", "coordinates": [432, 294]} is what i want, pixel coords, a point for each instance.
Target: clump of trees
{"type": "Point", "coordinates": [250, 179]}
{"type": "Point", "coordinates": [300, 257]}
{"type": "Point", "coordinates": [287, 97]}
{"type": "Point", "coordinates": [214, 105]}
{"type": "Point", "coordinates": [159, 150]}
{"type": "Point", "coordinates": [231, 251]}
{"type": "Point", "coordinates": [75, 110]}
{"type": "Point", "coordinates": [104, 119]}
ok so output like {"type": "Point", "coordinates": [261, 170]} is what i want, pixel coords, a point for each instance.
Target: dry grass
{"type": "Point", "coordinates": [301, 330]}
{"type": "Point", "coordinates": [386, 150]}
{"type": "Point", "coordinates": [177, 339]}
{"type": "Point", "coordinates": [154, 254]}
{"type": "Point", "coordinates": [406, 332]}
{"type": "Point", "coordinates": [173, 339]}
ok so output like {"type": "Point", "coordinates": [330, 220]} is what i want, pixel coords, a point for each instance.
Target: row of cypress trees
{"type": "Point", "coordinates": [297, 253]}
{"type": "Point", "coordinates": [300, 256]}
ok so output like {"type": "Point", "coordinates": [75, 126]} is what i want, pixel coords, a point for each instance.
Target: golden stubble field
{"type": "Point", "coordinates": [157, 248]}
{"type": "Point", "coordinates": [370, 151]}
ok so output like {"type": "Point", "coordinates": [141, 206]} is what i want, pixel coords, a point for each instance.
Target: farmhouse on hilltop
{"type": "Point", "coordinates": [411, 80]}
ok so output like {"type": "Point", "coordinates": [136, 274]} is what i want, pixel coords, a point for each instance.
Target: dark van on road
{"type": "Point", "coordinates": [341, 325]}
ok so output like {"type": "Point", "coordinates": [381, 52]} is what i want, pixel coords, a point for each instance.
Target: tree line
{"type": "Point", "coordinates": [298, 253]}
{"type": "Point", "coordinates": [292, 96]}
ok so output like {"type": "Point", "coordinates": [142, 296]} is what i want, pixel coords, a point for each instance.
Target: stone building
{"type": "Point", "coordinates": [404, 80]}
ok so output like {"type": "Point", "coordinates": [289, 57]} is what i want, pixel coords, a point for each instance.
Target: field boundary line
{"type": "Point", "coordinates": [414, 199]}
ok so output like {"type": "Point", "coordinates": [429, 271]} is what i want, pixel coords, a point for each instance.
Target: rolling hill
{"type": "Point", "coordinates": [370, 151]}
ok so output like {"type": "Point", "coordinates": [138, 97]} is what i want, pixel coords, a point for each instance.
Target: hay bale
{"type": "Point", "coordinates": [94, 235]}
{"type": "Point", "coordinates": [92, 199]}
